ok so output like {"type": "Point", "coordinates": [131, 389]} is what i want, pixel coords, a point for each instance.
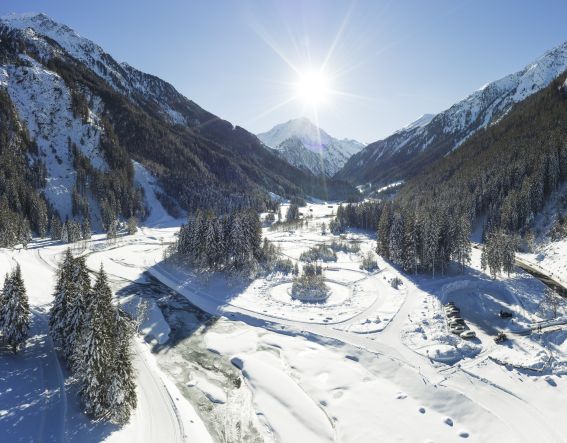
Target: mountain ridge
{"type": "Point", "coordinates": [407, 151]}
{"type": "Point", "coordinates": [90, 117]}
{"type": "Point", "coordinates": [305, 145]}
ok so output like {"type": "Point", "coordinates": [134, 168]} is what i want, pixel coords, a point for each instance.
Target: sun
{"type": "Point", "coordinates": [313, 88]}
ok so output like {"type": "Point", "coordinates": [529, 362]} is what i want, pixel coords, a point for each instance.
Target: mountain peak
{"type": "Point", "coordinates": [299, 140]}
{"type": "Point", "coordinates": [420, 122]}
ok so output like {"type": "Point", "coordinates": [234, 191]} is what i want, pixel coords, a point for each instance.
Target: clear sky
{"type": "Point", "coordinates": [387, 62]}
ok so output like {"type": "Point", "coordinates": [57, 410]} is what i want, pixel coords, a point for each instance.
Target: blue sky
{"type": "Point", "coordinates": [392, 60]}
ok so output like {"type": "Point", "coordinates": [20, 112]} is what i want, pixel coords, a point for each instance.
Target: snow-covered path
{"type": "Point", "coordinates": [513, 416]}
{"type": "Point", "coordinates": [34, 404]}
{"type": "Point", "coordinates": [355, 384]}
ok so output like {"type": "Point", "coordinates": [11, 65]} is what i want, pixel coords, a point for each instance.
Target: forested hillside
{"type": "Point", "coordinates": [410, 150]}
{"type": "Point", "coordinates": [74, 119]}
{"type": "Point", "coordinates": [503, 173]}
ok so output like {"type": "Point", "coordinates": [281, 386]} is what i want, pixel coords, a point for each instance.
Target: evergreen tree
{"type": "Point", "coordinates": [95, 358]}
{"type": "Point", "coordinates": [56, 228]}
{"type": "Point", "coordinates": [292, 213]}
{"type": "Point", "coordinates": [86, 229]}
{"type": "Point", "coordinates": [59, 310]}
{"type": "Point", "coordinates": [383, 244]}
{"type": "Point", "coordinates": [121, 394]}
{"type": "Point", "coordinates": [396, 240]}
{"type": "Point", "coordinates": [78, 301]}
{"type": "Point", "coordinates": [15, 311]}
{"type": "Point", "coordinates": [132, 225]}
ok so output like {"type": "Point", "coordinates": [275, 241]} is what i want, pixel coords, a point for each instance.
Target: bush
{"type": "Point", "coordinates": [369, 263]}
{"type": "Point", "coordinates": [310, 286]}
{"type": "Point", "coordinates": [343, 246]}
{"type": "Point", "coordinates": [318, 253]}
{"type": "Point", "coordinates": [396, 282]}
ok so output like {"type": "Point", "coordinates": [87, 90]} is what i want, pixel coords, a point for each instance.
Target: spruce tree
{"type": "Point", "coordinates": [93, 368]}
{"type": "Point", "coordinates": [59, 310]}
{"type": "Point", "coordinates": [15, 311]}
{"type": "Point", "coordinates": [121, 394]}
{"type": "Point", "coordinates": [78, 300]}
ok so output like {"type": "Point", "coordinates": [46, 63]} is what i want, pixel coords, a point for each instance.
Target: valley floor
{"type": "Point", "coordinates": [219, 360]}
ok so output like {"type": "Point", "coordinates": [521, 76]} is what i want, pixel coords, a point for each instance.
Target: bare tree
{"type": "Point", "coordinates": [551, 303]}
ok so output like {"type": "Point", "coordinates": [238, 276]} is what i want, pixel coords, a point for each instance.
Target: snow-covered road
{"type": "Point", "coordinates": [359, 377]}
{"type": "Point", "coordinates": [33, 396]}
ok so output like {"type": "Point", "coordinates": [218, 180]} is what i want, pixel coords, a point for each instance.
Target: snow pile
{"type": "Point", "coordinates": [152, 324]}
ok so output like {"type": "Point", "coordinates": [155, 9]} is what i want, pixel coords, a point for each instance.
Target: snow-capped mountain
{"type": "Point", "coordinates": [84, 118]}
{"type": "Point", "coordinates": [409, 150]}
{"type": "Point", "coordinates": [306, 146]}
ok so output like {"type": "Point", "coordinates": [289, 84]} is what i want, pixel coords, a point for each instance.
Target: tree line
{"type": "Point", "coordinates": [94, 338]}
{"type": "Point", "coordinates": [229, 242]}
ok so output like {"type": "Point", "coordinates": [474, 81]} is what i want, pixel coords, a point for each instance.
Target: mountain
{"type": "Point", "coordinates": [81, 119]}
{"type": "Point", "coordinates": [409, 150]}
{"type": "Point", "coordinates": [306, 146]}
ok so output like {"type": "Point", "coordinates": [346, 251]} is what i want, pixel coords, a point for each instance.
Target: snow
{"type": "Point", "coordinates": [420, 122]}
{"type": "Point", "coordinates": [478, 110]}
{"type": "Point", "coordinates": [120, 76]}
{"type": "Point", "coordinates": [152, 324]}
{"type": "Point", "coordinates": [158, 215]}
{"type": "Point", "coordinates": [39, 405]}
{"type": "Point", "coordinates": [305, 145]}
{"type": "Point", "coordinates": [363, 375]}
{"type": "Point", "coordinates": [43, 101]}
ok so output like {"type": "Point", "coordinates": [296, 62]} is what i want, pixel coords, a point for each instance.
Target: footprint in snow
{"type": "Point", "coordinates": [421, 410]}
{"type": "Point", "coordinates": [464, 434]}
{"type": "Point", "coordinates": [401, 396]}
{"type": "Point", "coordinates": [448, 421]}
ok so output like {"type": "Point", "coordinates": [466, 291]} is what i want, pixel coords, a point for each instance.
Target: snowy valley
{"type": "Point", "coordinates": [172, 277]}
{"type": "Point", "coordinates": [245, 362]}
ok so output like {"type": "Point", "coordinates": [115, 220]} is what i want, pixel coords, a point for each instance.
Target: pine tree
{"type": "Point", "coordinates": [56, 228]}
{"type": "Point", "coordinates": [396, 240]}
{"type": "Point", "coordinates": [383, 244]}
{"type": "Point", "coordinates": [121, 395]}
{"type": "Point", "coordinates": [86, 228]}
{"type": "Point", "coordinates": [79, 298]}
{"type": "Point", "coordinates": [65, 233]}
{"type": "Point", "coordinates": [132, 225]}
{"type": "Point", "coordinates": [93, 367]}
{"type": "Point", "coordinates": [58, 313]}
{"type": "Point", "coordinates": [15, 311]}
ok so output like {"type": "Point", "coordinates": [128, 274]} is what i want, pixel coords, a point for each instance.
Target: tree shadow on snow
{"type": "Point", "coordinates": [36, 402]}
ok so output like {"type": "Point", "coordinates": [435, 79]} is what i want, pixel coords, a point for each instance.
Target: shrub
{"type": "Point", "coordinates": [369, 263]}
{"type": "Point", "coordinates": [396, 282]}
{"type": "Point", "coordinates": [318, 253]}
{"type": "Point", "coordinates": [310, 286]}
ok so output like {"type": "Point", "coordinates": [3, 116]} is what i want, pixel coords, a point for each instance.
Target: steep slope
{"type": "Point", "coordinates": [90, 116]}
{"type": "Point", "coordinates": [409, 150]}
{"type": "Point", "coordinates": [308, 147]}
{"type": "Point", "coordinates": [505, 173]}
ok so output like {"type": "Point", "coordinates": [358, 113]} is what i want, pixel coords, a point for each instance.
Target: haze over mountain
{"type": "Point", "coordinates": [412, 148]}
{"type": "Point", "coordinates": [306, 146]}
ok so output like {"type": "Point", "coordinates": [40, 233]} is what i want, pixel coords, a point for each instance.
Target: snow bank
{"type": "Point", "coordinates": [153, 325]}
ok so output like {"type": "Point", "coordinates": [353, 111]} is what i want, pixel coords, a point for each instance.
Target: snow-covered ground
{"type": "Point", "coordinates": [222, 360]}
